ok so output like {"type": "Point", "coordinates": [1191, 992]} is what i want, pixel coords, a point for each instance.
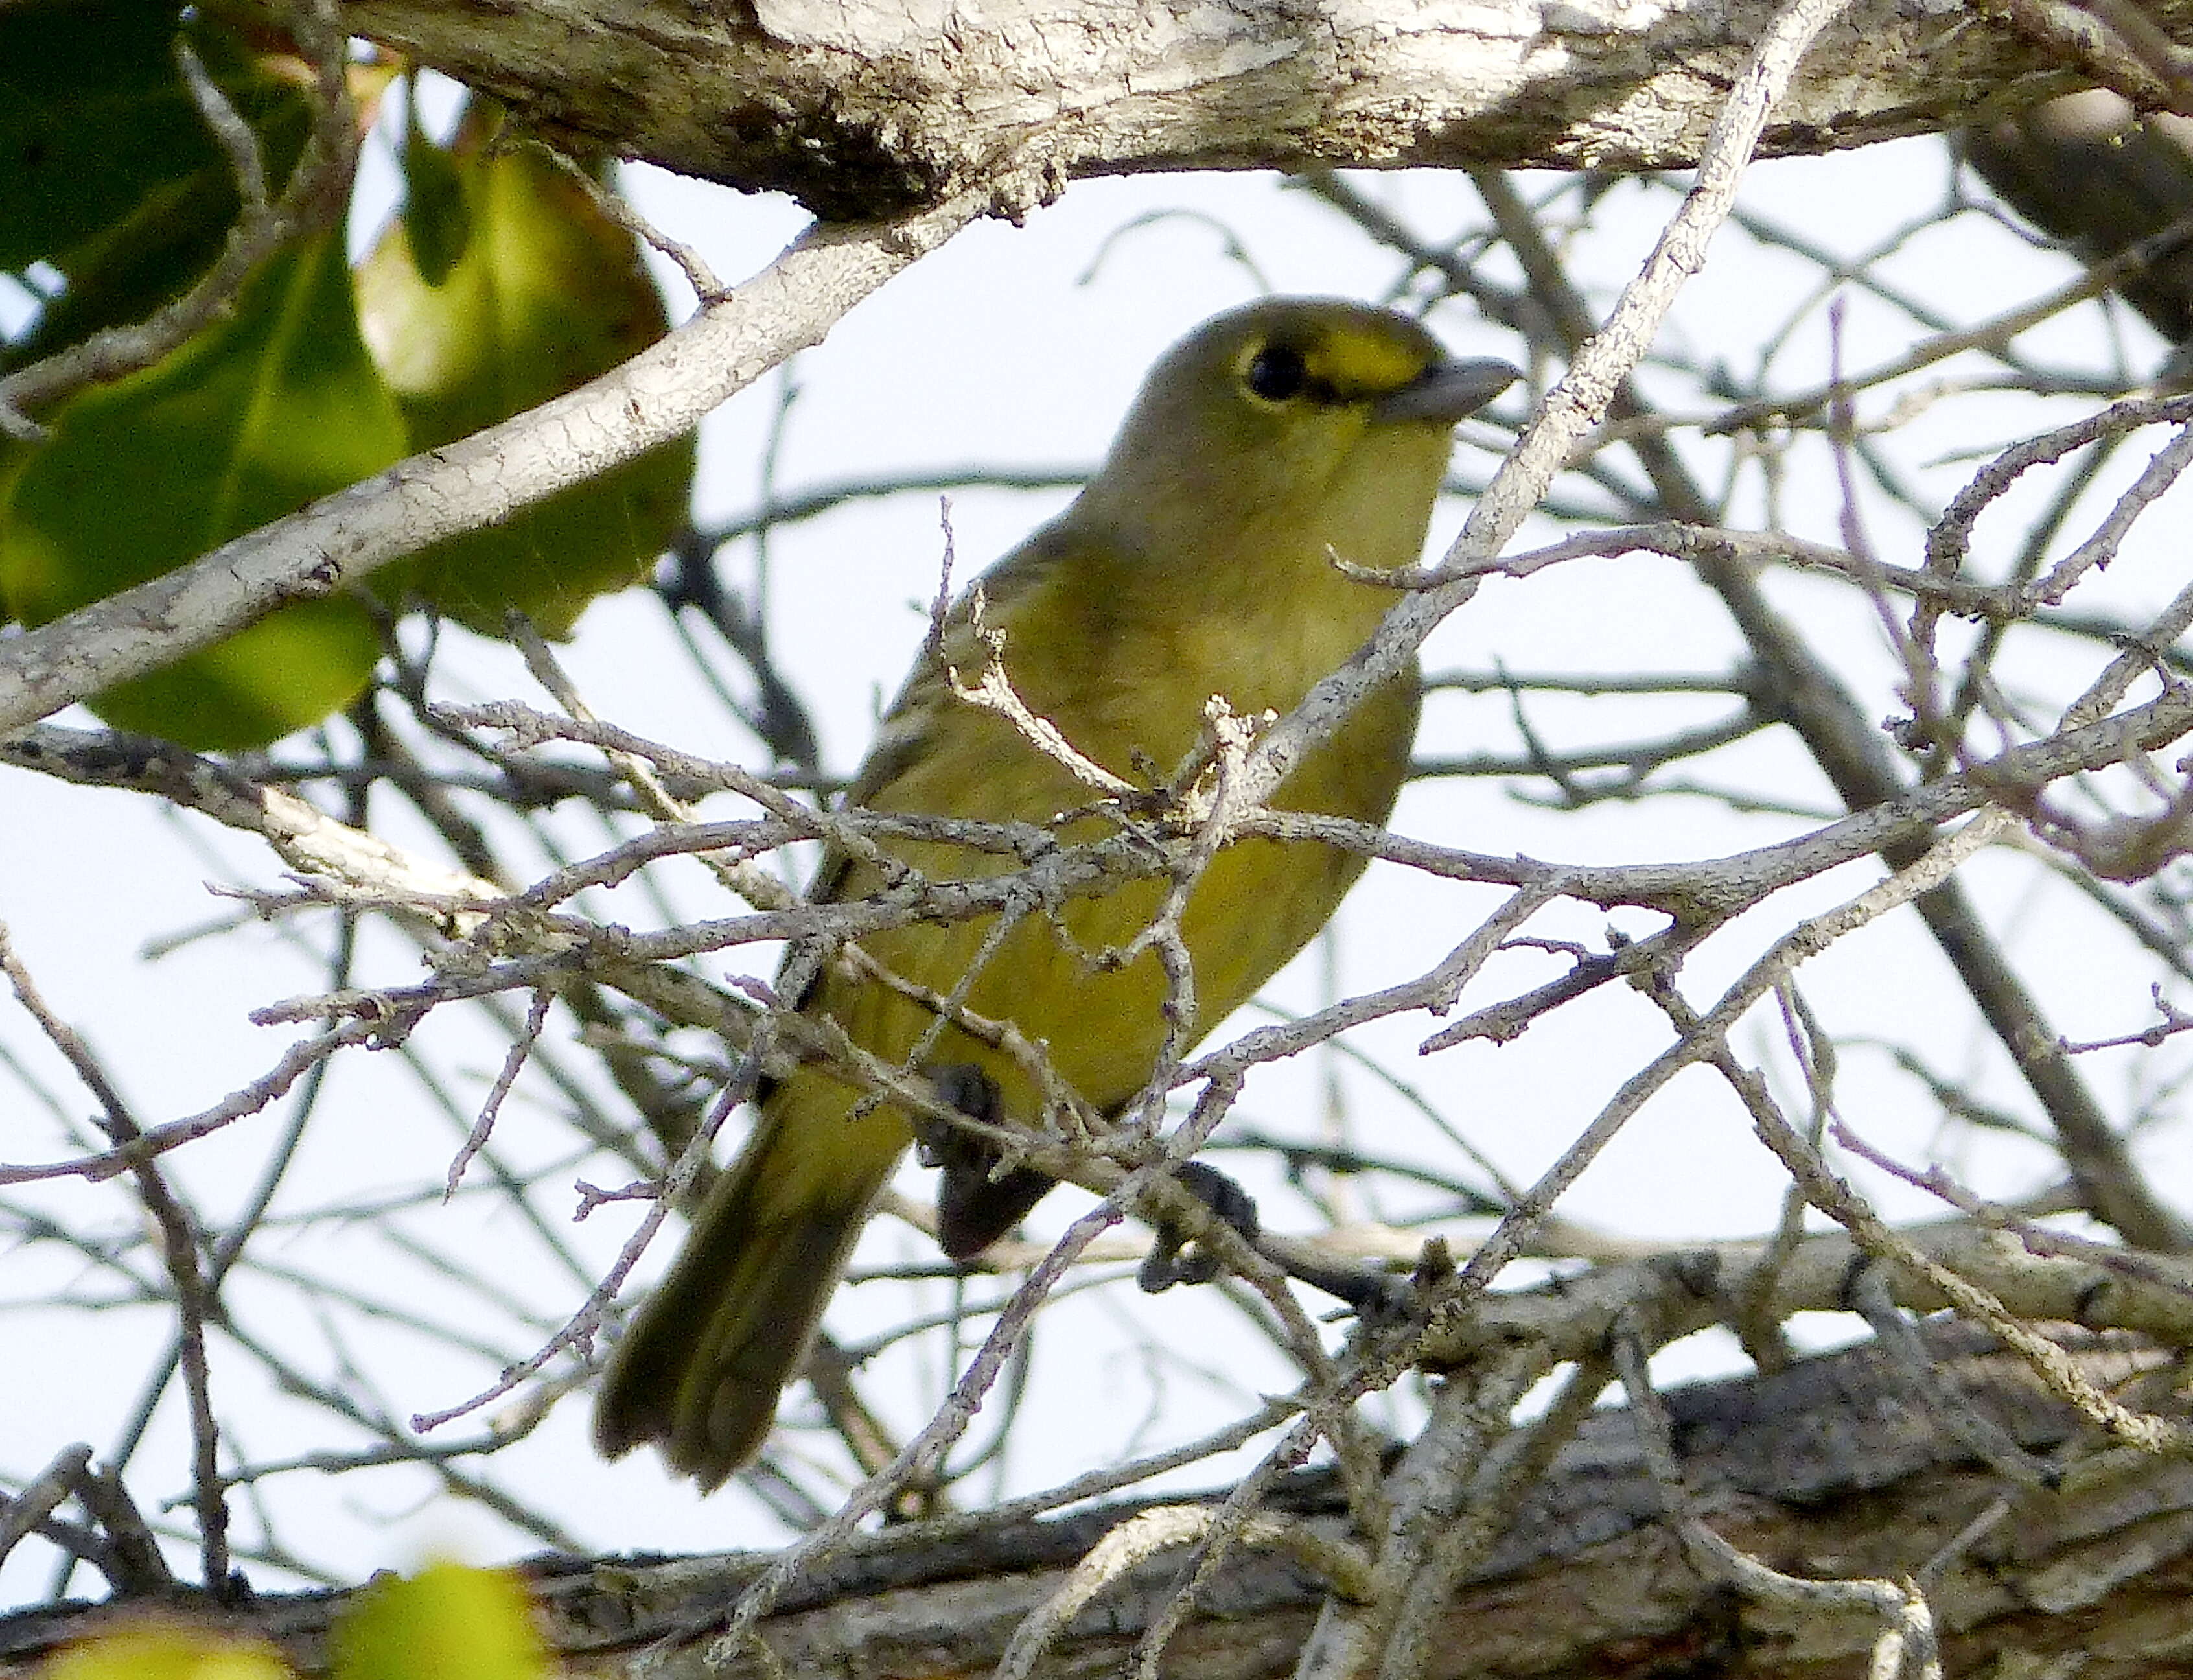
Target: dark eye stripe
{"type": "Point", "coordinates": [1279, 373]}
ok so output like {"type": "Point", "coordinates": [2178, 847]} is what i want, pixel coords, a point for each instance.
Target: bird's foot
{"type": "Point", "coordinates": [976, 1204]}
{"type": "Point", "coordinates": [1176, 1257]}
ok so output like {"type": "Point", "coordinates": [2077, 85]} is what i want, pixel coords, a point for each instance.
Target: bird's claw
{"type": "Point", "coordinates": [1175, 1257]}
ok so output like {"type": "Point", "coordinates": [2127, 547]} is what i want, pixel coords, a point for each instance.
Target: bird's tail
{"type": "Point", "coordinates": [699, 1369]}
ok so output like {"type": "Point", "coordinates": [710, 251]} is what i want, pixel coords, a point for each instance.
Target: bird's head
{"type": "Point", "coordinates": [1318, 421]}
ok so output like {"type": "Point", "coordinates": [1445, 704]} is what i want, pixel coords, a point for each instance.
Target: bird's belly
{"type": "Point", "coordinates": [1058, 974]}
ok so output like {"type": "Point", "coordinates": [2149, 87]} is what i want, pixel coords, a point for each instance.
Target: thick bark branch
{"type": "Point", "coordinates": [863, 107]}
{"type": "Point", "coordinates": [1833, 1468]}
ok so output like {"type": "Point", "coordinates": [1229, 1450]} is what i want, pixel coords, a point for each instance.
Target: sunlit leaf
{"type": "Point", "coordinates": [166, 1653]}
{"type": "Point", "coordinates": [446, 1623]}
{"type": "Point", "coordinates": [547, 293]}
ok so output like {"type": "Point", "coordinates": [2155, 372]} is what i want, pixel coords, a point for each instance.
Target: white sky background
{"type": "Point", "coordinates": [1019, 347]}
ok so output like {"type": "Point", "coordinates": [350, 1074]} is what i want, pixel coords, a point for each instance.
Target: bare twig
{"type": "Point", "coordinates": [196, 1302]}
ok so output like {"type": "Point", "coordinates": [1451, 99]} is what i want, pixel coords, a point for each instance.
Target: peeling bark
{"type": "Point", "coordinates": [1832, 1467]}
{"type": "Point", "coordinates": [861, 108]}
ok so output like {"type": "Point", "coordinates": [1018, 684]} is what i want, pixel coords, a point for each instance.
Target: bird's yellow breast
{"type": "Point", "coordinates": [1131, 694]}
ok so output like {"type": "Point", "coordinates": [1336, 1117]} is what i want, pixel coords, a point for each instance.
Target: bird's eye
{"type": "Point", "coordinates": [1278, 373]}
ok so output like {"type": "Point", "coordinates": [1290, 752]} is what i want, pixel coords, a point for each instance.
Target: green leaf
{"type": "Point", "coordinates": [437, 222]}
{"type": "Point", "coordinates": [149, 257]}
{"type": "Point", "coordinates": [446, 1623]}
{"type": "Point", "coordinates": [276, 407]}
{"type": "Point", "coordinates": [92, 111]}
{"type": "Point", "coordinates": [548, 293]}
{"type": "Point", "coordinates": [108, 173]}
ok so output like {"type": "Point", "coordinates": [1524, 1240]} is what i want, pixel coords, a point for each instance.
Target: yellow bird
{"type": "Point", "coordinates": [1198, 562]}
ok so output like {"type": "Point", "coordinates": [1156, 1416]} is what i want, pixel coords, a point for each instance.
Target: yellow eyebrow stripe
{"type": "Point", "coordinates": [1362, 365]}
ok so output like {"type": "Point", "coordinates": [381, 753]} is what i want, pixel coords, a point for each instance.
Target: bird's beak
{"type": "Point", "coordinates": [1448, 391]}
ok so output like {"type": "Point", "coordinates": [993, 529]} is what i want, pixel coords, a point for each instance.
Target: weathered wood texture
{"type": "Point", "coordinates": [1829, 1469]}
{"type": "Point", "coordinates": [862, 107]}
